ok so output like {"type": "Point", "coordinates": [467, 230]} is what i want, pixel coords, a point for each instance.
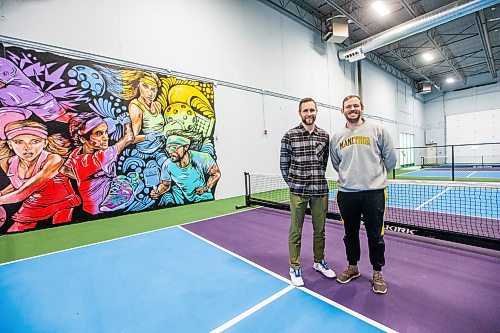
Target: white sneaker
{"type": "Point", "coordinates": [322, 267]}
{"type": "Point", "coordinates": [296, 277]}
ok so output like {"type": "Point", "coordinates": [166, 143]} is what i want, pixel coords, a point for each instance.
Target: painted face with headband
{"type": "Point", "coordinates": [148, 88]}
{"type": "Point", "coordinates": [177, 146]}
{"type": "Point", "coordinates": [98, 130]}
{"type": "Point", "coordinates": [27, 142]}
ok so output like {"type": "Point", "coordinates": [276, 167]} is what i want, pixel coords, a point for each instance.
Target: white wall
{"type": "Point", "coordinates": [479, 99]}
{"type": "Point", "coordinates": [392, 103]}
{"type": "Point", "coordinates": [241, 42]}
{"type": "Point", "coordinates": [473, 127]}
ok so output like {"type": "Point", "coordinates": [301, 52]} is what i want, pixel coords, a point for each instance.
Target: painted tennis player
{"type": "Point", "coordinates": [93, 162]}
{"type": "Point", "coordinates": [31, 161]}
{"type": "Point", "coordinates": [193, 172]}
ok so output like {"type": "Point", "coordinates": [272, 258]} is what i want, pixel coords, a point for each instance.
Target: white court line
{"type": "Point", "coordinates": [236, 255]}
{"type": "Point", "coordinates": [433, 198]}
{"type": "Point", "coordinates": [118, 238]}
{"type": "Point", "coordinates": [310, 292]}
{"type": "Point", "coordinates": [351, 312]}
{"type": "Point", "coordinates": [471, 174]}
{"type": "Point", "coordinates": [250, 311]}
{"type": "Point", "coordinates": [408, 173]}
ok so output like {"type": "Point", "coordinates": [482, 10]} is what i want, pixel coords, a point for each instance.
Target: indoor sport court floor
{"type": "Point", "coordinates": [450, 206]}
{"type": "Point", "coordinates": [230, 273]}
{"type": "Point", "coordinates": [447, 173]}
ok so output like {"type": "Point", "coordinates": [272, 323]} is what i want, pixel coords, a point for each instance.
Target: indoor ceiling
{"type": "Point", "coordinates": [465, 50]}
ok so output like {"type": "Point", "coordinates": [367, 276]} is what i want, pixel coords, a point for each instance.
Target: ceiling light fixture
{"type": "Point", "coordinates": [380, 8]}
{"type": "Point", "coordinates": [450, 80]}
{"type": "Point", "coordinates": [427, 56]}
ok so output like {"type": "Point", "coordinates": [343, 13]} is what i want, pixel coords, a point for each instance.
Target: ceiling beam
{"type": "Point", "coordinates": [313, 11]}
{"type": "Point", "coordinates": [382, 63]}
{"type": "Point", "coordinates": [485, 40]}
{"type": "Point", "coordinates": [400, 52]}
{"type": "Point", "coordinates": [440, 45]}
{"type": "Point", "coordinates": [296, 12]}
{"type": "Point", "coordinates": [350, 15]}
{"type": "Point", "coordinates": [435, 38]}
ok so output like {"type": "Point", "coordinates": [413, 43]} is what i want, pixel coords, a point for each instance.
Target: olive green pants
{"type": "Point", "coordinates": [298, 206]}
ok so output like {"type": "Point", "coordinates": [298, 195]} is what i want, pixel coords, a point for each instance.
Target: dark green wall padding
{"type": "Point", "coordinates": [33, 243]}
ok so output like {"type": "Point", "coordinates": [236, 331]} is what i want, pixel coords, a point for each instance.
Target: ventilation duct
{"type": "Point", "coordinates": [420, 24]}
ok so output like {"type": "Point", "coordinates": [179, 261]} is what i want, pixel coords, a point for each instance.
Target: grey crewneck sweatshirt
{"type": "Point", "coordinates": [362, 156]}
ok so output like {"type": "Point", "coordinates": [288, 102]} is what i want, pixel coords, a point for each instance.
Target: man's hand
{"type": "Point", "coordinates": [202, 189]}
{"type": "Point", "coordinates": [154, 194]}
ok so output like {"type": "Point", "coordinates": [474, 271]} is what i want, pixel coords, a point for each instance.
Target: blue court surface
{"type": "Point", "coordinates": [164, 281]}
{"type": "Point", "coordinates": [466, 201]}
{"type": "Point", "coordinates": [447, 174]}
{"type": "Point", "coordinates": [475, 201]}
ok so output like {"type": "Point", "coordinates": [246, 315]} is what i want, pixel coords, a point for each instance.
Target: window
{"type": "Point", "coordinates": [407, 152]}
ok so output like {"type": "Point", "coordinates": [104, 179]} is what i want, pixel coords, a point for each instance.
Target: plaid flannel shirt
{"type": "Point", "coordinates": [303, 161]}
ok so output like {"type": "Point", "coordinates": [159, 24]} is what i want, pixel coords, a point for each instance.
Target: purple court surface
{"type": "Point", "coordinates": [433, 286]}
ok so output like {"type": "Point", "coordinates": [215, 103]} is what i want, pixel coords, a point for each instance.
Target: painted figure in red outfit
{"type": "Point", "coordinates": [93, 163]}
{"type": "Point", "coordinates": [31, 159]}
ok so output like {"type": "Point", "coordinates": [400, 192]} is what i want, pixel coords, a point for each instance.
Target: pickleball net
{"type": "Point", "coordinates": [463, 212]}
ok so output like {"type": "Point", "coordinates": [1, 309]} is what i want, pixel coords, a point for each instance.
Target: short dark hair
{"type": "Point", "coordinates": [78, 123]}
{"type": "Point", "coordinates": [353, 96]}
{"type": "Point", "coordinates": [305, 100]}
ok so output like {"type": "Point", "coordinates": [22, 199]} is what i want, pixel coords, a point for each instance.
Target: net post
{"type": "Point", "coordinates": [247, 191]}
{"type": "Point", "coordinates": [452, 162]}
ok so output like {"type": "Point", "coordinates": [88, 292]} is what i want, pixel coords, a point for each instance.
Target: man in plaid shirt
{"type": "Point", "coordinates": [303, 160]}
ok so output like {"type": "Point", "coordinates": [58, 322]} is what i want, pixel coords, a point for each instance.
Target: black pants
{"type": "Point", "coordinates": [372, 205]}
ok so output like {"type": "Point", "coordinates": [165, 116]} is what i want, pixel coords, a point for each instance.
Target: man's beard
{"type": "Point", "coordinates": [354, 120]}
{"type": "Point", "coordinates": [309, 120]}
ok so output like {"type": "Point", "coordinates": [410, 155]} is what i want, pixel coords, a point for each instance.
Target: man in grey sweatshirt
{"type": "Point", "coordinates": [362, 153]}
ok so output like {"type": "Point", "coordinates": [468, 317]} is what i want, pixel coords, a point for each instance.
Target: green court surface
{"type": "Point", "coordinates": [33, 243]}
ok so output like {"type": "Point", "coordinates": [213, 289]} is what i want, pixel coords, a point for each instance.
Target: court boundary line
{"type": "Point", "coordinates": [252, 310]}
{"type": "Point", "coordinates": [235, 255]}
{"type": "Point", "coordinates": [119, 238]}
{"type": "Point", "coordinates": [471, 174]}
{"type": "Point", "coordinates": [435, 175]}
{"type": "Point", "coordinates": [345, 309]}
{"type": "Point", "coordinates": [433, 198]}
{"type": "Point", "coordinates": [312, 293]}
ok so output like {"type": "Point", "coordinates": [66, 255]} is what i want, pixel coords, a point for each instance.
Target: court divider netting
{"type": "Point", "coordinates": [461, 212]}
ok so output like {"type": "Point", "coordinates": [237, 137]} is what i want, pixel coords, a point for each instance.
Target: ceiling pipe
{"type": "Point", "coordinates": [422, 23]}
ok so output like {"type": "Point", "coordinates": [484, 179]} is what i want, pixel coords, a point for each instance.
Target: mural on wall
{"type": "Point", "coordinates": [81, 140]}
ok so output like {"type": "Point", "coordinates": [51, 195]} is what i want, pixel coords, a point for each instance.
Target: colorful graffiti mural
{"type": "Point", "coordinates": [81, 140]}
